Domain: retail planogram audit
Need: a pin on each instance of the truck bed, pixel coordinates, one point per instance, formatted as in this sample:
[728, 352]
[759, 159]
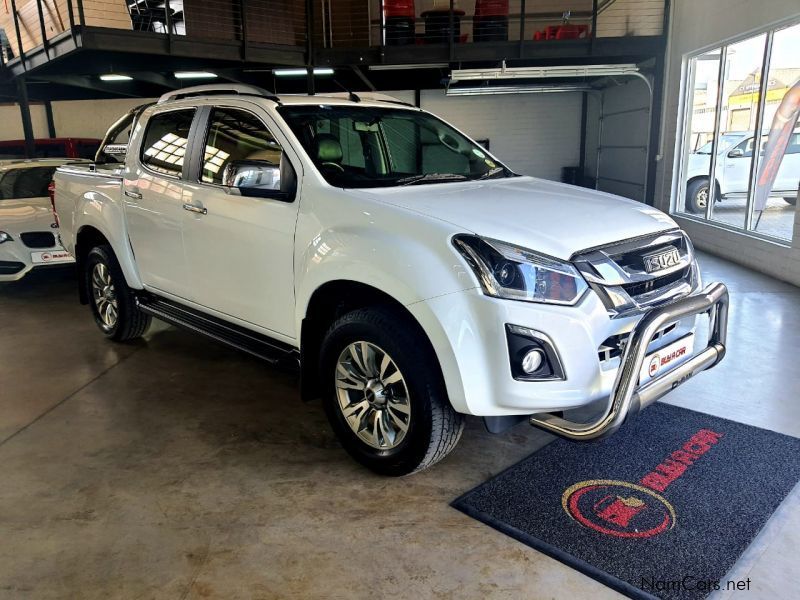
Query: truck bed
[76, 184]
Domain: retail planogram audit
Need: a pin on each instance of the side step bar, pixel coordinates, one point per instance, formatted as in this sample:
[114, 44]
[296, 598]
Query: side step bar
[627, 397]
[272, 351]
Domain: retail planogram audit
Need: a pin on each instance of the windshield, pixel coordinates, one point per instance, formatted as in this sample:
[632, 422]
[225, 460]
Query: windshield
[32, 182]
[725, 141]
[366, 146]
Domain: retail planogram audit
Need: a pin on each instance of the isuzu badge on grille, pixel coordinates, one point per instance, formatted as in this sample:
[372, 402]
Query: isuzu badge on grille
[662, 260]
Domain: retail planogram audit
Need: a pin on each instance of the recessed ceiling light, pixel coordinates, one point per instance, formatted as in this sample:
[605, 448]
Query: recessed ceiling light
[301, 72]
[115, 77]
[195, 75]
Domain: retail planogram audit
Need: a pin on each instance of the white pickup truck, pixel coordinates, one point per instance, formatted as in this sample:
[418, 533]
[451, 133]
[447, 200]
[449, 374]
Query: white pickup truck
[411, 276]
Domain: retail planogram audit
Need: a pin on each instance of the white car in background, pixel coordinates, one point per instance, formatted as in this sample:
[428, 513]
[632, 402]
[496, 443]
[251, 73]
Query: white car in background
[734, 155]
[28, 230]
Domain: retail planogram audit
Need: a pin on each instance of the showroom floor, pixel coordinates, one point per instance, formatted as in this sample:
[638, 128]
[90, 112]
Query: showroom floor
[175, 468]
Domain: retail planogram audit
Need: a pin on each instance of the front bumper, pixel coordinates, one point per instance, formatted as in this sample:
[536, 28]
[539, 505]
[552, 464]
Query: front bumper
[626, 396]
[468, 332]
[16, 260]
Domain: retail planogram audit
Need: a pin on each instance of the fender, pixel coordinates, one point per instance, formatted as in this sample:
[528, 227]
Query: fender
[422, 264]
[101, 210]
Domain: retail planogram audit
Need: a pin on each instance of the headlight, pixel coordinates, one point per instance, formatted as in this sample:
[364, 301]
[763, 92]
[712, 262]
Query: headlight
[5, 237]
[508, 271]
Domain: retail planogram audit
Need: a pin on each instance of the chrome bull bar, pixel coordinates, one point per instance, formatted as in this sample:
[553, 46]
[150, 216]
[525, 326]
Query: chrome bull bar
[625, 399]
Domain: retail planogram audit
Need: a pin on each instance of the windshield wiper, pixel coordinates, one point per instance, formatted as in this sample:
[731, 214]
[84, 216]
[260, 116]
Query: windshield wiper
[492, 172]
[431, 178]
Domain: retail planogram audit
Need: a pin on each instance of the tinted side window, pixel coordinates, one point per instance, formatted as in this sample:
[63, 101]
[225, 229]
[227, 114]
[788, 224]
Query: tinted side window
[164, 145]
[26, 183]
[235, 135]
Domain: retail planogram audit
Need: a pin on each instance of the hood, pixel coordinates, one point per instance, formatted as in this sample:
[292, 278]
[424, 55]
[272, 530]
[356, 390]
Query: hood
[548, 217]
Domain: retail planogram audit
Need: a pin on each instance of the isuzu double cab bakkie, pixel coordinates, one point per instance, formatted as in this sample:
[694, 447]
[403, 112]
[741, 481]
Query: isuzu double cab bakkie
[411, 275]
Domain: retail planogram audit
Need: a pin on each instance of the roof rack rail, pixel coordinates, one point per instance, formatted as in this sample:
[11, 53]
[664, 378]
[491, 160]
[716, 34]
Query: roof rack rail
[209, 90]
[373, 96]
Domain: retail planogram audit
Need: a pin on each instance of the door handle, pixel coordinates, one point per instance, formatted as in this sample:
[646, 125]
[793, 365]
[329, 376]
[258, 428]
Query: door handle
[195, 209]
[134, 195]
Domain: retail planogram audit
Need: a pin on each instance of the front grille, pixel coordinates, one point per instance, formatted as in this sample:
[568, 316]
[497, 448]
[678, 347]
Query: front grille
[8, 267]
[619, 276]
[644, 287]
[38, 239]
[614, 346]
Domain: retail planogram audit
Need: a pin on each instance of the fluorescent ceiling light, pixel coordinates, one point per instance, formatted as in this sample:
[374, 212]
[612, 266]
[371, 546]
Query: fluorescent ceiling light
[542, 72]
[195, 75]
[414, 66]
[515, 89]
[301, 72]
[115, 77]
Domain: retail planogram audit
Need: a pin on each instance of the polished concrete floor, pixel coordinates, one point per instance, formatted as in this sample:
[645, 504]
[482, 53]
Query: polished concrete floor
[174, 468]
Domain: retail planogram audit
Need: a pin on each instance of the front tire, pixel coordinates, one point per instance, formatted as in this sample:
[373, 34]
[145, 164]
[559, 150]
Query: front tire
[384, 394]
[697, 193]
[791, 200]
[112, 302]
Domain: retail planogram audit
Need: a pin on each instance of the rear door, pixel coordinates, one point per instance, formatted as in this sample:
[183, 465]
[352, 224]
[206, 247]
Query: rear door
[240, 249]
[153, 190]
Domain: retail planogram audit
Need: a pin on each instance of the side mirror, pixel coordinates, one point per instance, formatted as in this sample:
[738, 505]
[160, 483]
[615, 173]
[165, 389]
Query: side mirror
[261, 179]
[252, 174]
[736, 153]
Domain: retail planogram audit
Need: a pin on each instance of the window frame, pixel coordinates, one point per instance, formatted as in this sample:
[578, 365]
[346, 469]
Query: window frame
[189, 144]
[194, 171]
[682, 149]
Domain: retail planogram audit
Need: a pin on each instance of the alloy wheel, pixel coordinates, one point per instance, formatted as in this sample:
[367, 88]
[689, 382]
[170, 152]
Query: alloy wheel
[104, 295]
[372, 395]
[702, 197]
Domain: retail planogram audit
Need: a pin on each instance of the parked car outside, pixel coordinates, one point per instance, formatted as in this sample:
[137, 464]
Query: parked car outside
[734, 157]
[410, 274]
[28, 230]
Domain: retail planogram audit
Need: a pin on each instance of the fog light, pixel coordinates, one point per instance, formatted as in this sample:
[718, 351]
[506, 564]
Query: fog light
[532, 361]
[532, 355]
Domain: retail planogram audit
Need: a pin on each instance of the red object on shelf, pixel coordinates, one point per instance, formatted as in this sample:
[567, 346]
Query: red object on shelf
[399, 8]
[572, 32]
[491, 8]
[562, 32]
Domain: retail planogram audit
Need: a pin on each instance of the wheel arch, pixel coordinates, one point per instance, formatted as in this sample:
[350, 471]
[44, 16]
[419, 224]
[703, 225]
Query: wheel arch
[327, 303]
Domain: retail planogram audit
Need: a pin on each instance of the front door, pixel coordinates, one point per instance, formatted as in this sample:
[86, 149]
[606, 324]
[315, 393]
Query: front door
[240, 249]
[153, 194]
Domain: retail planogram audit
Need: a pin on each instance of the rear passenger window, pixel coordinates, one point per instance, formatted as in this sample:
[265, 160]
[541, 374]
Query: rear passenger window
[164, 146]
[237, 135]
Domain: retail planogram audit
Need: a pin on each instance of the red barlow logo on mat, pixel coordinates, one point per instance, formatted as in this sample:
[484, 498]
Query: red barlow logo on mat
[630, 510]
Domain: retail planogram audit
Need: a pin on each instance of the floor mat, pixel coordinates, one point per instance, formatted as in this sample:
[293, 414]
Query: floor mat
[664, 508]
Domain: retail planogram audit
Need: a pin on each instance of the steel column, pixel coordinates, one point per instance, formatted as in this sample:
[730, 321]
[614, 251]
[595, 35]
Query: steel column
[25, 113]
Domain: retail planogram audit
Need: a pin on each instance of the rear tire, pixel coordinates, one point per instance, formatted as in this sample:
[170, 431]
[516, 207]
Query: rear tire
[112, 302]
[697, 193]
[791, 200]
[384, 394]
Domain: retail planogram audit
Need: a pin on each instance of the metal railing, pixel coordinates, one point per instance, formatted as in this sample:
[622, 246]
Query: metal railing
[31, 25]
[361, 23]
[34, 24]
